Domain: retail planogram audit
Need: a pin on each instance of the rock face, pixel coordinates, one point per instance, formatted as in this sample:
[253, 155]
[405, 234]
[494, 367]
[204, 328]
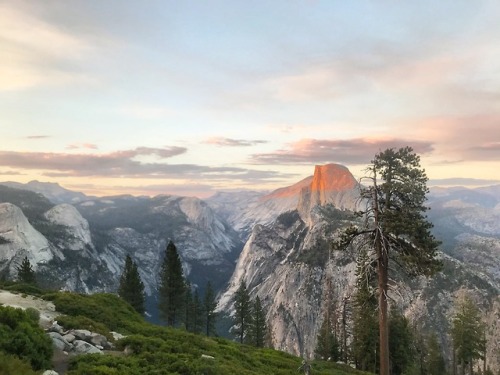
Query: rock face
[67, 215]
[20, 239]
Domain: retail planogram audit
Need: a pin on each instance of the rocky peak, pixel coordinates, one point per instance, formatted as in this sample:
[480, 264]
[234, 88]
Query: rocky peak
[331, 184]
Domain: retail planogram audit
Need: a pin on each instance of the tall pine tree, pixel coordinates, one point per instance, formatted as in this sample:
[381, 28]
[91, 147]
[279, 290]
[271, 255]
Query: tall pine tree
[131, 287]
[396, 226]
[172, 287]
[25, 272]
[467, 333]
[365, 326]
[243, 312]
[198, 315]
[209, 306]
[258, 327]
[327, 346]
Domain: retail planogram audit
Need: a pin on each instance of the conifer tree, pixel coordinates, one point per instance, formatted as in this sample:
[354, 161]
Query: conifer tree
[188, 317]
[172, 287]
[131, 287]
[400, 343]
[327, 346]
[468, 333]
[243, 314]
[435, 363]
[396, 227]
[198, 316]
[25, 272]
[365, 325]
[209, 306]
[258, 328]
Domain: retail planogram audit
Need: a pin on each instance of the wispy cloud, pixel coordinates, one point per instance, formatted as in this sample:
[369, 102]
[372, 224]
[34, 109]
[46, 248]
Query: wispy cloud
[11, 173]
[460, 181]
[37, 136]
[352, 151]
[76, 146]
[221, 141]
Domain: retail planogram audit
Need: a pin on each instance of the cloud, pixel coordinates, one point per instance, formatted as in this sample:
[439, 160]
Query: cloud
[124, 164]
[11, 173]
[37, 136]
[221, 141]
[36, 52]
[459, 181]
[466, 138]
[351, 151]
[76, 146]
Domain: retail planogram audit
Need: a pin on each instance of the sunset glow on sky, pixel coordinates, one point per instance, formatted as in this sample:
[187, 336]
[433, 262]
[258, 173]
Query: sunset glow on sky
[190, 97]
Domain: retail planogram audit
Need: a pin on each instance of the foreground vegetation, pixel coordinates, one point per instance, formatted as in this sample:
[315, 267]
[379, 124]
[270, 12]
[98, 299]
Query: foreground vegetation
[164, 350]
[154, 349]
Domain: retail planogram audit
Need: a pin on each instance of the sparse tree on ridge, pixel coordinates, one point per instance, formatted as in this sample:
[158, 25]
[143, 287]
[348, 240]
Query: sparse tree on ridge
[395, 227]
[198, 316]
[243, 312]
[131, 287]
[25, 272]
[172, 287]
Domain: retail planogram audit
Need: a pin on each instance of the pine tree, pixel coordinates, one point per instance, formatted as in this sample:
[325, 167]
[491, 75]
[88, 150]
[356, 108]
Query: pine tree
[209, 306]
[198, 316]
[365, 325]
[172, 287]
[396, 226]
[131, 287]
[468, 333]
[258, 328]
[243, 314]
[188, 317]
[25, 272]
[435, 363]
[400, 343]
[327, 346]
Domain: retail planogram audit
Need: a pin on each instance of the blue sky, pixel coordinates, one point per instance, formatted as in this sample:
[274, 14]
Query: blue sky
[113, 97]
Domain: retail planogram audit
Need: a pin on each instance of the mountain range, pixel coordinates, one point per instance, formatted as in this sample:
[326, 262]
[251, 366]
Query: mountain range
[278, 242]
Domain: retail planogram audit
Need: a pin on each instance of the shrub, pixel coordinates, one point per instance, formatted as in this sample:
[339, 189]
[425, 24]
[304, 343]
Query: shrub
[82, 322]
[10, 365]
[20, 335]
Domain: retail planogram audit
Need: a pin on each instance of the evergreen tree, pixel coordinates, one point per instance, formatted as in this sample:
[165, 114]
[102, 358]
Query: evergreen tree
[365, 325]
[25, 272]
[468, 333]
[198, 316]
[243, 313]
[396, 226]
[400, 343]
[209, 306]
[172, 287]
[258, 328]
[327, 346]
[131, 287]
[436, 364]
[188, 317]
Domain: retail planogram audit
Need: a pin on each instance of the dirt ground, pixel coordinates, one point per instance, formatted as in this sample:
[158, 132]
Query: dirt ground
[47, 309]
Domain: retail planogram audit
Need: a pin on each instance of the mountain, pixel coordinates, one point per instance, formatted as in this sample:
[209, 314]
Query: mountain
[52, 191]
[82, 247]
[288, 263]
[278, 242]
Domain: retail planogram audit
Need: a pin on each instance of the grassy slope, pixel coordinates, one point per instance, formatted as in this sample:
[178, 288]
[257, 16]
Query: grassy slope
[161, 350]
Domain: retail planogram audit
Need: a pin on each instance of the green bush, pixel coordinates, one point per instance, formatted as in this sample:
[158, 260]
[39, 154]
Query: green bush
[20, 335]
[33, 314]
[10, 365]
[24, 288]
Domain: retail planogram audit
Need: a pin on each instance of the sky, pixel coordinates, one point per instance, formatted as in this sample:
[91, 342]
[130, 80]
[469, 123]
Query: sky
[193, 97]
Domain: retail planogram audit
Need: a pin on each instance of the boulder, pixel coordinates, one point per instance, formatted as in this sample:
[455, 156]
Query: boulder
[82, 334]
[56, 327]
[59, 342]
[97, 339]
[50, 372]
[69, 337]
[83, 347]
